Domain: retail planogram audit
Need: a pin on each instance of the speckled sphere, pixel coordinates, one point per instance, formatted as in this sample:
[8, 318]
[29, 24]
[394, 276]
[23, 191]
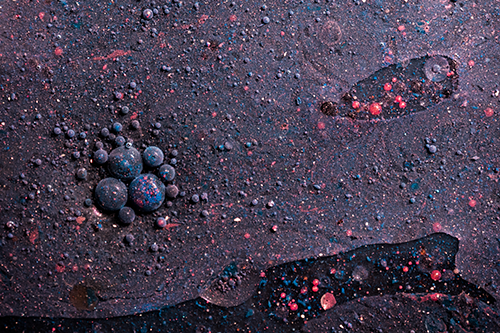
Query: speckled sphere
[153, 157]
[100, 156]
[125, 163]
[111, 194]
[147, 193]
[167, 173]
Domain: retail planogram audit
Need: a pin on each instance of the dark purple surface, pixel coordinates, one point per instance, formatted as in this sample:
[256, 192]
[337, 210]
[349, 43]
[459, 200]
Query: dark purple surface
[238, 98]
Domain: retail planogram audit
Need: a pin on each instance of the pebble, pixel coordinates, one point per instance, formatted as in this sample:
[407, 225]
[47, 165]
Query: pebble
[126, 215]
[432, 149]
[161, 222]
[100, 156]
[81, 174]
[124, 109]
[266, 20]
[135, 124]
[153, 156]
[105, 132]
[129, 238]
[195, 198]
[172, 191]
[117, 127]
[119, 141]
[166, 173]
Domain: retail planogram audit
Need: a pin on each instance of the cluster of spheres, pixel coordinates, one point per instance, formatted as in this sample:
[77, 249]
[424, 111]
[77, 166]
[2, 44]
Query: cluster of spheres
[145, 192]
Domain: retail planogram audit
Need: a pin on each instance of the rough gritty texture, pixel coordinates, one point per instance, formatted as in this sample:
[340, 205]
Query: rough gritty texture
[229, 80]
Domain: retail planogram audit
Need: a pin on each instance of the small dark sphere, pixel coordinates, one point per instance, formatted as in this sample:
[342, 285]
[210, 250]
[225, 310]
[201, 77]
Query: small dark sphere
[167, 173]
[120, 141]
[81, 174]
[172, 191]
[126, 215]
[117, 127]
[125, 163]
[111, 194]
[100, 156]
[153, 156]
[161, 223]
[105, 132]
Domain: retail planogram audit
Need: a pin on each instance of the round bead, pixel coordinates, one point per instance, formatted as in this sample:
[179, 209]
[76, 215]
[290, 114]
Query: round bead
[167, 173]
[111, 194]
[125, 163]
[147, 192]
[153, 157]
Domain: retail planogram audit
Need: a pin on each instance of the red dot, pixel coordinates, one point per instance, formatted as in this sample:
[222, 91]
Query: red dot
[315, 282]
[472, 203]
[247, 235]
[58, 51]
[375, 109]
[489, 112]
[387, 87]
[303, 290]
[401, 28]
[398, 99]
[348, 233]
[294, 306]
[436, 227]
[402, 105]
[405, 269]
[315, 289]
[436, 275]
[355, 105]
[321, 125]
[283, 295]
[471, 63]
[394, 80]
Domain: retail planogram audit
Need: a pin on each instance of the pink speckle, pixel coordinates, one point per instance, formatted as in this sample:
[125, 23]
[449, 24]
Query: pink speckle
[436, 275]
[436, 227]
[348, 233]
[471, 63]
[472, 203]
[489, 112]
